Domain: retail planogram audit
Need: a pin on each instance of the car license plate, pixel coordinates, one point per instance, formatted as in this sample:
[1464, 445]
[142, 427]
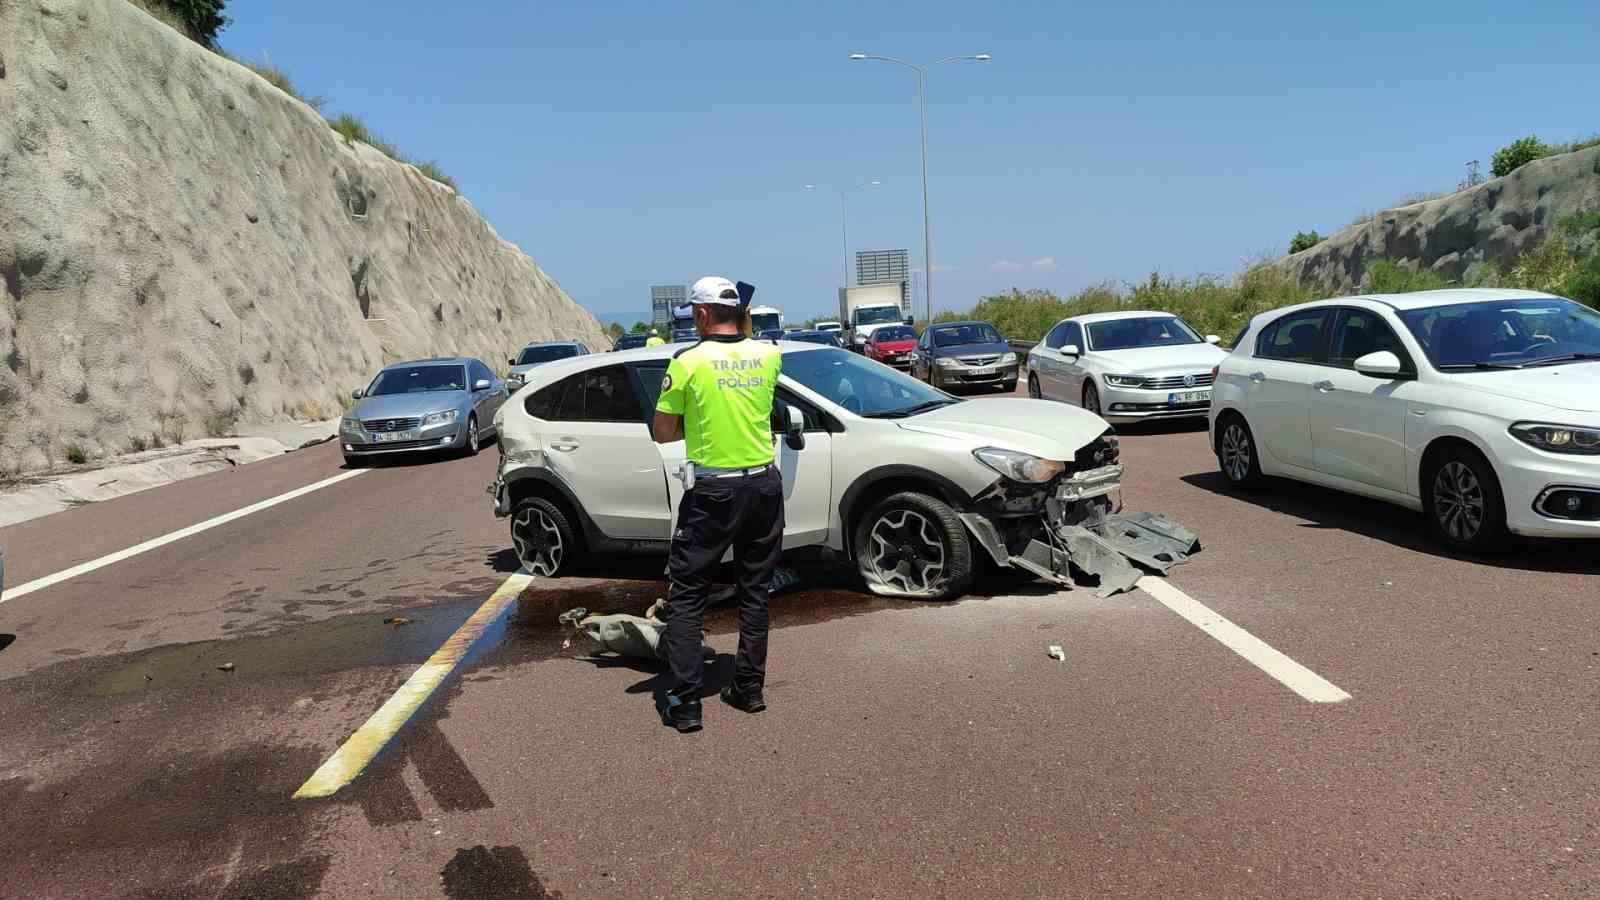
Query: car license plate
[393, 436]
[1182, 397]
[988, 370]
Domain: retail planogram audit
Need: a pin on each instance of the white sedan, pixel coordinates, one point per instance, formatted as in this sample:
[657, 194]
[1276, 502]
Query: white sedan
[1480, 407]
[1126, 366]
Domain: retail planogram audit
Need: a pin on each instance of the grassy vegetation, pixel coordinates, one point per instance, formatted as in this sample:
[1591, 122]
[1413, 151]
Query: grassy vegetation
[76, 454]
[221, 424]
[279, 79]
[1567, 263]
[352, 128]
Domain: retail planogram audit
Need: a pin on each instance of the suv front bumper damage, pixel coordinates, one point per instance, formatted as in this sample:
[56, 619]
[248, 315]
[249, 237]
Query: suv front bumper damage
[1077, 538]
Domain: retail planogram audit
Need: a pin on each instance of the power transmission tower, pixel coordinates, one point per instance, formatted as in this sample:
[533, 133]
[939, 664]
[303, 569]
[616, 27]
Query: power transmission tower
[1474, 177]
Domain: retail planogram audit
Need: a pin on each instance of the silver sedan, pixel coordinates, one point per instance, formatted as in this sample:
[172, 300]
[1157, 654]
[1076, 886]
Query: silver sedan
[430, 404]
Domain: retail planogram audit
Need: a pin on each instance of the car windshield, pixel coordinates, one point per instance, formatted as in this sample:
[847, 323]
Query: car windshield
[877, 315]
[1506, 333]
[1145, 331]
[629, 341]
[419, 380]
[544, 354]
[894, 333]
[957, 335]
[861, 385]
[763, 322]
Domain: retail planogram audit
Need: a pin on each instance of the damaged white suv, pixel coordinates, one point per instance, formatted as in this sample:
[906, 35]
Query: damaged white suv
[907, 481]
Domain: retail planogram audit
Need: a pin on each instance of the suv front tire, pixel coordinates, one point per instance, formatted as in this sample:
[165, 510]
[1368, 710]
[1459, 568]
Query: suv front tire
[910, 544]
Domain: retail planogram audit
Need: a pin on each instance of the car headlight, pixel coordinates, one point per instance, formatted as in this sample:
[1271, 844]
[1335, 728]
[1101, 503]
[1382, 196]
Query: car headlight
[1019, 466]
[1009, 359]
[1132, 381]
[348, 425]
[947, 362]
[440, 418]
[1558, 438]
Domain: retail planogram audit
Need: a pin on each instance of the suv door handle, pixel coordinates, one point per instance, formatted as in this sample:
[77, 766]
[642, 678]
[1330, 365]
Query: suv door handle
[1258, 377]
[564, 444]
[1323, 386]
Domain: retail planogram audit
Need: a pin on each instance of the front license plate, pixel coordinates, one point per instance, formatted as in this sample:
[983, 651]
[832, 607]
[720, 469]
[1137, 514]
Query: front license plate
[1182, 397]
[988, 371]
[392, 436]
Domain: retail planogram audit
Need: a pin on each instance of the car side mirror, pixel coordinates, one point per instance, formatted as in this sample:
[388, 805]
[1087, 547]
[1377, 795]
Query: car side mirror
[482, 384]
[1070, 350]
[1213, 339]
[1382, 365]
[908, 320]
[795, 434]
[357, 394]
[511, 361]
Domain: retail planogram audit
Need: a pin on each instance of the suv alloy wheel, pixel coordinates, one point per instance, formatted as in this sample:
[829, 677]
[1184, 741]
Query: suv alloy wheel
[542, 537]
[913, 545]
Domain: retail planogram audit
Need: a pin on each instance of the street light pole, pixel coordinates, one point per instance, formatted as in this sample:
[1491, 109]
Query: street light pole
[922, 110]
[844, 228]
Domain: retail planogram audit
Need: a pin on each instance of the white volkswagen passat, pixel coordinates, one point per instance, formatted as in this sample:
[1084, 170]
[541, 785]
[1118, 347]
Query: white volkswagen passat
[906, 480]
[1126, 366]
[1479, 407]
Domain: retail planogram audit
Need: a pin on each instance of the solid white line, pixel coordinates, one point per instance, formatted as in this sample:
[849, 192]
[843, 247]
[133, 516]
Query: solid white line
[1291, 674]
[39, 584]
[362, 747]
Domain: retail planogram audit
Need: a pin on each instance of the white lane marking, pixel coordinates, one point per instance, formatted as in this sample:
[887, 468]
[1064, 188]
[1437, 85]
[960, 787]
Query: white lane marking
[1289, 673]
[39, 584]
[362, 747]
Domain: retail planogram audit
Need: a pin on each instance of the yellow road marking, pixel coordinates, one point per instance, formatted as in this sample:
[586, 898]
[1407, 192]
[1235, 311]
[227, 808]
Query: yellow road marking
[368, 741]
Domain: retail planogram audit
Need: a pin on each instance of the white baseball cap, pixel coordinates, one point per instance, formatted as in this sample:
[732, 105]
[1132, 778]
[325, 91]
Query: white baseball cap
[716, 290]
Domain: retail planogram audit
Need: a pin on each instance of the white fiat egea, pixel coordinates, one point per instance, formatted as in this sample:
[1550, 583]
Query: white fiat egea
[1479, 407]
[908, 481]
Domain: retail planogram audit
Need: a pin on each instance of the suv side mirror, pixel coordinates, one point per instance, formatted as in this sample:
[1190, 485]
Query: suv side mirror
[795, 434]
[511, 361]
[1213, 339]
[1070, 350]
[357, 394]
[1383, 365]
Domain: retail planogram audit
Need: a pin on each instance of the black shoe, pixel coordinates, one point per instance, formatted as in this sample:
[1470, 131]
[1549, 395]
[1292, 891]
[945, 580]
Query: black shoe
[749, 701]
[683, 715]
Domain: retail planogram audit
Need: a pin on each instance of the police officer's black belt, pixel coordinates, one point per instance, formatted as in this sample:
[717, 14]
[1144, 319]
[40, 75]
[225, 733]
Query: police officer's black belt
[709, 472]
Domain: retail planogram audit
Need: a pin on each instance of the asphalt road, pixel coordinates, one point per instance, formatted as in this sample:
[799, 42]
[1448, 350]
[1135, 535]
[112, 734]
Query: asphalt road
[159, 712]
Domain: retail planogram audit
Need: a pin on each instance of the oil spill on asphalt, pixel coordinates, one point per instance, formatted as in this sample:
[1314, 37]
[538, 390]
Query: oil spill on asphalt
[500, 873]
[330, 645]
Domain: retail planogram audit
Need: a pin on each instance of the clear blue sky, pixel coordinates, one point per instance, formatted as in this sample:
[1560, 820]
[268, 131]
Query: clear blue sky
[627, 144]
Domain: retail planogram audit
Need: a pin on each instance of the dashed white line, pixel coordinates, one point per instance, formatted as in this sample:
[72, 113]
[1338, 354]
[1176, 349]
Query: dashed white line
[1289, 673]
[39, 584]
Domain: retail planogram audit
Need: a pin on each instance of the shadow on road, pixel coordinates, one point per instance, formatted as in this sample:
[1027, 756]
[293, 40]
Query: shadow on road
[1327, 508]
[413, 459]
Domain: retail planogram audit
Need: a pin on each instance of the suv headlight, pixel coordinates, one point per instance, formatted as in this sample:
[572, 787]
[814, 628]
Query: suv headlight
[440, 418]
[1133, 381]
[1008, 359]
[348, 425]
[1019, 466]
[1558, 438]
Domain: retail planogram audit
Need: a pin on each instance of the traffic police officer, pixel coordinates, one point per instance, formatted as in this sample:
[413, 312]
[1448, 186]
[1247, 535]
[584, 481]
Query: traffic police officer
[717, 398]
[654, 340]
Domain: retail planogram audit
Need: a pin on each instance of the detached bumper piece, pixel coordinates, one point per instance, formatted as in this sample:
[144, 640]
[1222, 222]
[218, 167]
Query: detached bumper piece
[1108, 556]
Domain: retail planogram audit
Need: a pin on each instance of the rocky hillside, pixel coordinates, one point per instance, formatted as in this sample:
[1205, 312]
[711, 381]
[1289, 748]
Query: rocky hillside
[185, 246]
[1494, 222]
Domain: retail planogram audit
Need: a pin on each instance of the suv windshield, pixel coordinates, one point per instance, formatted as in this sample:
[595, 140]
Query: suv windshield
[861, 385]
[894, 333]
[544, 354]
[1506, 333]
[419, 380]
[958, 335]
[877, 315]
[1147, 331]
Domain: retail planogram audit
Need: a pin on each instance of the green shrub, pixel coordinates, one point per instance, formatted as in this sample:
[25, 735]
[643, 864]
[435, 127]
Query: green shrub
[221, 424]
[351, 128]
[198, 20]
[432, 170]
[1389, 277]
[1518, 153]
[279, 79]
[138, 444]
[1304, 240]
[76, 455]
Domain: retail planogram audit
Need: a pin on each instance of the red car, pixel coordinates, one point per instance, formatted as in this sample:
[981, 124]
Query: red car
[892, 345]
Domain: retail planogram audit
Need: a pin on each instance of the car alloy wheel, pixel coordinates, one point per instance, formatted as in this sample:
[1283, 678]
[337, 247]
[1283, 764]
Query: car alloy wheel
[907, 553]
[1236, 455]
[472, 436]
[1033, 387]
[1458, 501]
[538, 540]
[1091, 399]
